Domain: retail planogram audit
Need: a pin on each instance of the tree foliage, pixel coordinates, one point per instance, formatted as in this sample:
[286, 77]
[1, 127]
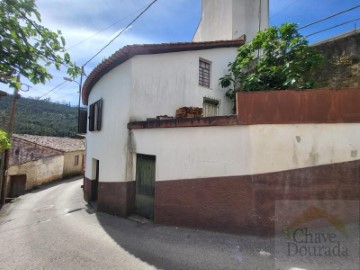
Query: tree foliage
[277, 58]
[4, 141]
[27, 47]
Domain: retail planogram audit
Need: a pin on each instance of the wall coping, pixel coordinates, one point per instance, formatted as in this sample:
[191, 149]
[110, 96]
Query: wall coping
[185, 122]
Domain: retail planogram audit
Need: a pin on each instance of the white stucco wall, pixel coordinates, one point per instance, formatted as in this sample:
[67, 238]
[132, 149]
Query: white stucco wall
[109, 144]
[286, 147]
[186, 153]
[183, 153]
[144, 87]
[230, 19]
[165, 82]
[216, 21]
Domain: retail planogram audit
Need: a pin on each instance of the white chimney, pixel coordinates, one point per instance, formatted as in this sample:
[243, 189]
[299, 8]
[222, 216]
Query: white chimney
[231, 19]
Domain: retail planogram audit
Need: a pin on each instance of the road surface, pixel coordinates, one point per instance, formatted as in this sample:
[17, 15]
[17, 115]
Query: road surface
[54, 228]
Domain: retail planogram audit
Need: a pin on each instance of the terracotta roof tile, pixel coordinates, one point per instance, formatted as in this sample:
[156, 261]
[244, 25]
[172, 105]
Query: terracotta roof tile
[130, 51]
[58, 143]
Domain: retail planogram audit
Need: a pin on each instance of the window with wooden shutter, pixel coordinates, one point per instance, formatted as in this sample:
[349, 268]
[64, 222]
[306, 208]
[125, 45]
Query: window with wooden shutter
[95, 115]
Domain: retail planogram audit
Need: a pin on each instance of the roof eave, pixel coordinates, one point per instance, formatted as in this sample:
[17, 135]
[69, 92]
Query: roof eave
[130, 51]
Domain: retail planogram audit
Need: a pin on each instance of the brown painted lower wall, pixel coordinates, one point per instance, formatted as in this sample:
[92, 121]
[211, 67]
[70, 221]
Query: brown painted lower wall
[88, 187]
[236, 204]
[246, 204]
[115, 198]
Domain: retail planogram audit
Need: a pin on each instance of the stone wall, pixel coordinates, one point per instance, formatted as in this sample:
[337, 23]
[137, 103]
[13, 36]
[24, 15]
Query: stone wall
[342, 61]
[40, 171]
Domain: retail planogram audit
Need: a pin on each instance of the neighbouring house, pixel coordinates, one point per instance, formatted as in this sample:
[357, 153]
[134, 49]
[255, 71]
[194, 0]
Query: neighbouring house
[36, 160]
[221, 171]
[2, 94]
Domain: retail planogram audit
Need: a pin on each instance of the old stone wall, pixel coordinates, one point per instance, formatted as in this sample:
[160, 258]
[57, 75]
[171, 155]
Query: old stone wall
[342, 61]
[40, 171]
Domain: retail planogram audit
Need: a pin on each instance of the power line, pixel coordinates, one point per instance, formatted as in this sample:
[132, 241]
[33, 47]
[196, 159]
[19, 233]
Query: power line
[60, 84]
[335, 26]
[104, 29]
[329, 17]
[70, 94]
[122, 31]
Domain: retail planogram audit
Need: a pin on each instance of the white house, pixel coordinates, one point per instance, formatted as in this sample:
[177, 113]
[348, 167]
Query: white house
[221, 171]
[145, 81]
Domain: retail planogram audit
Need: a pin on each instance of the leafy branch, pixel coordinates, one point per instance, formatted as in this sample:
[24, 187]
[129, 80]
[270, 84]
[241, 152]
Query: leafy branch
[276, 59]
[27, 47]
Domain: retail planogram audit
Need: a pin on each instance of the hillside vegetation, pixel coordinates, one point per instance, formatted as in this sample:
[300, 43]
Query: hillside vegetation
[40, 117]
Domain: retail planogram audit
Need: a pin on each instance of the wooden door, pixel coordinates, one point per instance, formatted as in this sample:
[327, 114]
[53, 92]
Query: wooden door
[17, 185]
[145, 185]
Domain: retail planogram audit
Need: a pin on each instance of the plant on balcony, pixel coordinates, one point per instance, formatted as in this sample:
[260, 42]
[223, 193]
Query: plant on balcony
[276, 59]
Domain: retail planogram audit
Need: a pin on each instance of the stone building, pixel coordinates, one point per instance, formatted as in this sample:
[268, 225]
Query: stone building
[36, 160]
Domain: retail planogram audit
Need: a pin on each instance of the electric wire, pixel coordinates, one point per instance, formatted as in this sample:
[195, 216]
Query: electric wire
[56, 87]
[329, 17]
[104, 29]
[122, 31]
[332, 27]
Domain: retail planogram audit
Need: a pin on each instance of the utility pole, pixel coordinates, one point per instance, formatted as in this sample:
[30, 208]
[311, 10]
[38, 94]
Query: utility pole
[7, 152]
[2, 155]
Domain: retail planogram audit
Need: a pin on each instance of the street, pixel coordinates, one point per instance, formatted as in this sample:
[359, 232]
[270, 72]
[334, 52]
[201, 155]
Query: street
[54, 228]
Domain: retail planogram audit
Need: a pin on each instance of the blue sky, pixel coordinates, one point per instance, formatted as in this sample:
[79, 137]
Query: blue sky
[165, 21]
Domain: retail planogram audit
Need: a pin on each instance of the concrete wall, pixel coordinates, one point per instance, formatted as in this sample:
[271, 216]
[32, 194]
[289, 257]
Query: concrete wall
[69, 163]
[205, 152]
[40, 171]
[230, 19]
[228, 178]
[145, 87]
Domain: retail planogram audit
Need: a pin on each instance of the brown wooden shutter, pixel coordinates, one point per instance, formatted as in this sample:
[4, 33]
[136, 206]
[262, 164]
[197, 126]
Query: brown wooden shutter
[82, 121]
[91, 117]
[99, 114]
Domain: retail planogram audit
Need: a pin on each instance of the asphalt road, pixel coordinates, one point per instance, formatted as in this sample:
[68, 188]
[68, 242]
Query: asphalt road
[53, 228]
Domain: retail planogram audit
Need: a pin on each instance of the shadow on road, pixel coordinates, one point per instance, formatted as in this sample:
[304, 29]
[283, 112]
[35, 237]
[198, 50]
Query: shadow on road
[180, 248]
[54, 184]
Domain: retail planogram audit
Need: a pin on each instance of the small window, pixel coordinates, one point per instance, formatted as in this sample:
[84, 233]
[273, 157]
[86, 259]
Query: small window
[95, 115]
[204, 72]
[210, 106]
[76, 162]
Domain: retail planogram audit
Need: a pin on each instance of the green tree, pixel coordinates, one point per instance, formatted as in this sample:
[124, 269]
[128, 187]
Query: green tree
[276, 59]
[27, 47]
[4, 141]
